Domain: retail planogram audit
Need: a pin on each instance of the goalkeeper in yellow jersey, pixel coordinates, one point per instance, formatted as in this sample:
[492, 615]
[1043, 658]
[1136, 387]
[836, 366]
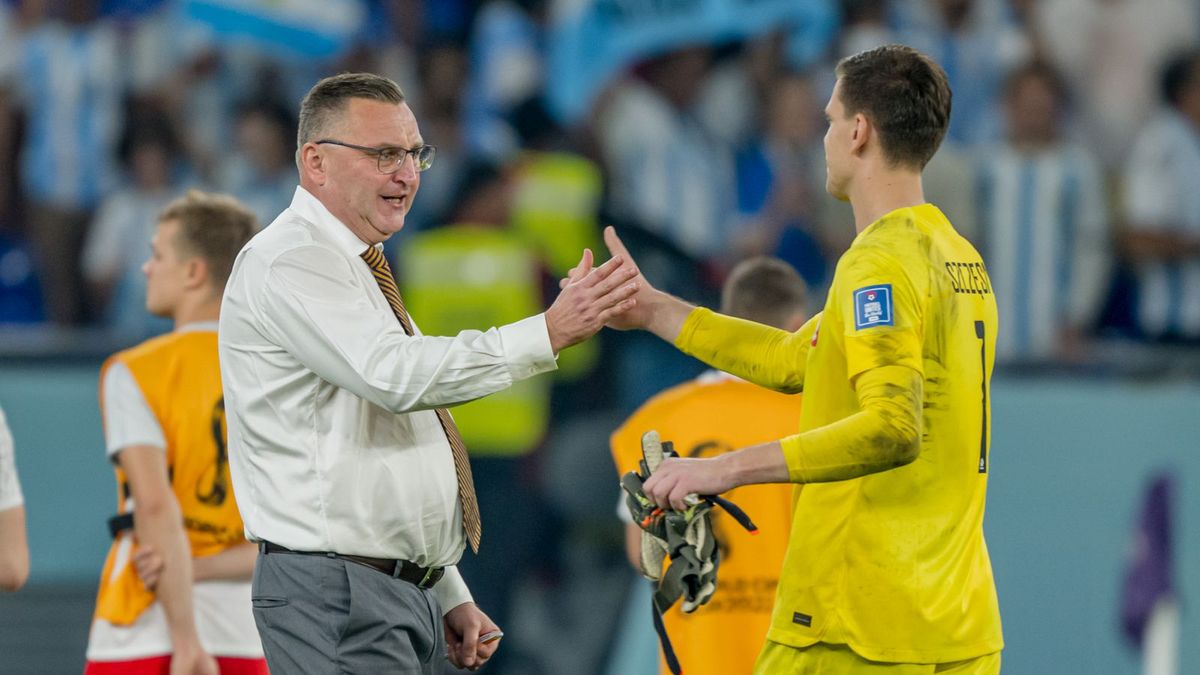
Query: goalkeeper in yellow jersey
[886, 562]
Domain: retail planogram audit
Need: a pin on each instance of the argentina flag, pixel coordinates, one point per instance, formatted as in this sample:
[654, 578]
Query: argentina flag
[592, 40]
[315, 29]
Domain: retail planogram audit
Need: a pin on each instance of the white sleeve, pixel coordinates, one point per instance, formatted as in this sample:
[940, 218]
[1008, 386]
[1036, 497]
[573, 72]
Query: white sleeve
[101, 258]
[1151, 184]
[452, 590]
[128, 419]
[312, 305]
[10, 487]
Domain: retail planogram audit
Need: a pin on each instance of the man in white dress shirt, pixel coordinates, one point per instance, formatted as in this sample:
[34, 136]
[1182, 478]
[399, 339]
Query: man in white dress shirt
[347, 468]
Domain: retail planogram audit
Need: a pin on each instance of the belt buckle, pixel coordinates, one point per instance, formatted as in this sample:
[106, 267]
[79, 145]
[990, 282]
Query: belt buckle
[429, 573]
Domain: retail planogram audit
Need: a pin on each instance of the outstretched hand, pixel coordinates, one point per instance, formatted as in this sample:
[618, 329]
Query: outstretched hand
[589, 299]
[637, 316]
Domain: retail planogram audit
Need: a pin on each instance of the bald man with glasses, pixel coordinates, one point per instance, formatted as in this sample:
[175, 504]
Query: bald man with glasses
[349, 469]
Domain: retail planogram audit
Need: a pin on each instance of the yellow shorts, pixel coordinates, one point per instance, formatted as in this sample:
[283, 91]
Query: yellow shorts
[830, 659]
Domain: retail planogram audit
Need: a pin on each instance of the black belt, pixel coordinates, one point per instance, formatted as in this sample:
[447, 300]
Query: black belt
[421, 577]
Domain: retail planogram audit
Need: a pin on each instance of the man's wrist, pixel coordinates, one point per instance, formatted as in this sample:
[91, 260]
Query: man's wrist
[185, 642]
[757, 464]
[667, 314]
[734, 468]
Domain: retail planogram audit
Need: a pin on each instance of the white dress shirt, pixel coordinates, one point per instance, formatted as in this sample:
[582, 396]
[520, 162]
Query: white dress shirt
[333, 442]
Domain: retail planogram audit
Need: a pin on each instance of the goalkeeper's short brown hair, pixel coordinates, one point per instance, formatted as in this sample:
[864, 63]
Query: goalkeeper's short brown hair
[214, 227]
[765, 290]
[906, 96]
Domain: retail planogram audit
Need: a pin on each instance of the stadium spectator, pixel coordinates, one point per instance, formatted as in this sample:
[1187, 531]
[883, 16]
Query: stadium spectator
[506, 62]
[70, 91]
[442, 71]
[260, 169]
[117, 240]
[1044, 225]
[1162, 209]
[977, 43]
[780, 182]
[666, 171]
[1110, 53]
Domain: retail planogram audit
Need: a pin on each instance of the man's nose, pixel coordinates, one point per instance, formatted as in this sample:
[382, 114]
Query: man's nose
[408, 169]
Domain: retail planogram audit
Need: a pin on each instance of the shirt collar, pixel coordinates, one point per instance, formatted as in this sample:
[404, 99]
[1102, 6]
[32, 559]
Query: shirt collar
[308, 207]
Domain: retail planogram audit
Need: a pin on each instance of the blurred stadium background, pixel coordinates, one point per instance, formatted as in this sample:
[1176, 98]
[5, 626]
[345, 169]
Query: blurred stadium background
[1073, 163]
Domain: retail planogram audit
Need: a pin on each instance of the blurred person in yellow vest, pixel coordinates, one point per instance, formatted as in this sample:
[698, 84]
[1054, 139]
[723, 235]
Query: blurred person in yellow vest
[175, 590]
[709, 416]
[477, 270]
[555, 205]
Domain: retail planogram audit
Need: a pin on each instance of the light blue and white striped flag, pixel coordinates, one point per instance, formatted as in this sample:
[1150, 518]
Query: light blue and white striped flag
[306, 28]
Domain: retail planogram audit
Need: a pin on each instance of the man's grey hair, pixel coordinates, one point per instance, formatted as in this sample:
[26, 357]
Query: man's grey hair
[326, 101]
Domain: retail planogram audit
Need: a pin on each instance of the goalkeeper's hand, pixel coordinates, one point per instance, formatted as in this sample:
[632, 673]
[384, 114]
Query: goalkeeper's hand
[677, 481]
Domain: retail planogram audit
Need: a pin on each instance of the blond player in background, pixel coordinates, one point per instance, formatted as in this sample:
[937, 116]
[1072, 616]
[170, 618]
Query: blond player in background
[707, 417]
[886, 569]
[175, 590]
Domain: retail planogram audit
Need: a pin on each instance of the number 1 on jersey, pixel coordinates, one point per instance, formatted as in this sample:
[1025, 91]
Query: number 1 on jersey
[982, 335]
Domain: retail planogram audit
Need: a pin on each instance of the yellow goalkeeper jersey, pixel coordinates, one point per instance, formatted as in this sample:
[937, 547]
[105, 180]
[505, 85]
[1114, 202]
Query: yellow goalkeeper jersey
[893, 563]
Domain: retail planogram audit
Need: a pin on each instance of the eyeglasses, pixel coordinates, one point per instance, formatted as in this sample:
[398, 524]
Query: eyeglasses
[391, 158]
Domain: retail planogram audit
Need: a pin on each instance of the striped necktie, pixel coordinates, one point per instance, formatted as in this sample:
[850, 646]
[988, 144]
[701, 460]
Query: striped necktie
[462, 466]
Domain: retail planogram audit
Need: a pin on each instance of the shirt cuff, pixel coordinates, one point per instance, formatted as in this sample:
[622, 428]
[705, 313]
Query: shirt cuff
[687, 332]
[452, 591]
[527, 347]
[792, 457]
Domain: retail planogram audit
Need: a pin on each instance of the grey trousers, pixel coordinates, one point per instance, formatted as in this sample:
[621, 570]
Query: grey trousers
[324, 616]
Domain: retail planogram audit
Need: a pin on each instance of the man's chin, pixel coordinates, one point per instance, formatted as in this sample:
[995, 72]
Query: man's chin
[388, 229]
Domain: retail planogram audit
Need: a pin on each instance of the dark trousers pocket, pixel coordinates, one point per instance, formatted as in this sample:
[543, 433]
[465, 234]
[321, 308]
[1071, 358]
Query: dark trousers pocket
[268, 602]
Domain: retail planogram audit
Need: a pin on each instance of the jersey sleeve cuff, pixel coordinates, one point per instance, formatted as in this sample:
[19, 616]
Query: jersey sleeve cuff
[792, 456]
[690, 332]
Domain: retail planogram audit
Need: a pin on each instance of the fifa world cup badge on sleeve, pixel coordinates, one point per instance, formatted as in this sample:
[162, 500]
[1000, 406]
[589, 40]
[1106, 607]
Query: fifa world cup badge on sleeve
[873, 307]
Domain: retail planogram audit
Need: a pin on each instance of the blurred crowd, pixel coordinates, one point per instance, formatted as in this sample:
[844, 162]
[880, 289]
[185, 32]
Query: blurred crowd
[1073, 150]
